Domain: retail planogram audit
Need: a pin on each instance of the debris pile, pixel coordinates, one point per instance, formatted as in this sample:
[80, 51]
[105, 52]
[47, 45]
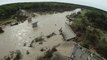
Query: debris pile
[14, 55]
[35, 24]
[39, 39]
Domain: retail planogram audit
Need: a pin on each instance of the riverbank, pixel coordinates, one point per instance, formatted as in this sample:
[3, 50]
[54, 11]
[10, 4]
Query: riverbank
[89, 28]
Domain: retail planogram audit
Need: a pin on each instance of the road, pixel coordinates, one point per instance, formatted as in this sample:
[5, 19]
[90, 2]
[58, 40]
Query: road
[80, 53]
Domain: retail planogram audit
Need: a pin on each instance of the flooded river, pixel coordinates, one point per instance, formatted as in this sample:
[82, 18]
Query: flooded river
[14, 37]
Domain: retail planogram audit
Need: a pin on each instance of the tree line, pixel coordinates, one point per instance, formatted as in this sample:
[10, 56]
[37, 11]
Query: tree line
[8, 10]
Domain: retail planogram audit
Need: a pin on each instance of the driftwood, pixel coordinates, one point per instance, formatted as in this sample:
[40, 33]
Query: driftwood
[50, 35]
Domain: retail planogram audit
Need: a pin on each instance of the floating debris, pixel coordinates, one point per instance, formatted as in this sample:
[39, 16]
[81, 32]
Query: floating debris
[34, 24]
[14, 55]
[55, 25]
[27, 52]
[29, 19]
[33, 15]
[18, 55]
[50, 52]
[42, 50]
[24, 44]
[50, 35]
[31, 44]
[1, 30]
[14, 24]
[40, 42]
[39, 39]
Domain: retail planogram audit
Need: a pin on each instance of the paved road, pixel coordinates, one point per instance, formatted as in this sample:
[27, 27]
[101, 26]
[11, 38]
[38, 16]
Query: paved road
[81, 53]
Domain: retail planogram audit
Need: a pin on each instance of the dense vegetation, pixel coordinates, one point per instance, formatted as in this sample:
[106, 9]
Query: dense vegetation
[90, 27]
[99, 20]
[8, 10]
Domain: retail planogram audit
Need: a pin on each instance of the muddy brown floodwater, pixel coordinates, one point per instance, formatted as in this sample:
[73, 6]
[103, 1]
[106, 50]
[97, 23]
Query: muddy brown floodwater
[15, 37]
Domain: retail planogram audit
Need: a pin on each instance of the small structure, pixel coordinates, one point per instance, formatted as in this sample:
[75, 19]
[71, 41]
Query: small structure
[34, 24]
[67, 33]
